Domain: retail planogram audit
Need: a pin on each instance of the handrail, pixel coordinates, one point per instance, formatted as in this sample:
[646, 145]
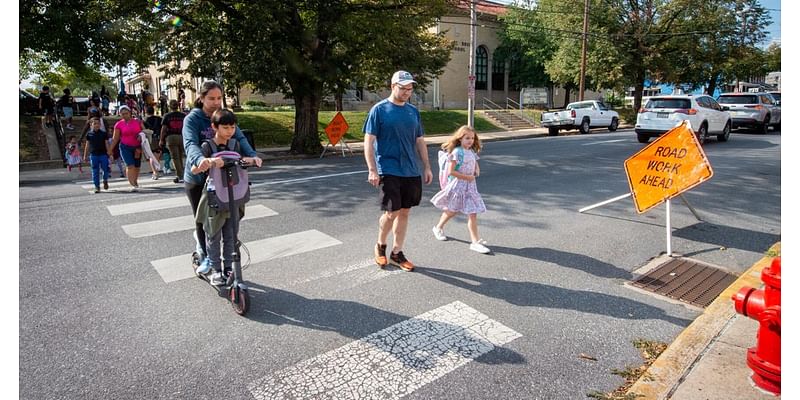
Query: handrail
[496, 106]
[509, 100]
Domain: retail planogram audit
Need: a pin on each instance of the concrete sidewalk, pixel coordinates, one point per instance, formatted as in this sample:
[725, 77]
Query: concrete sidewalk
[707, 361]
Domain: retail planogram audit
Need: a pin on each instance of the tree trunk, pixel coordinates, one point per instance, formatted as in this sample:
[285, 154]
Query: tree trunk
[637, 95]
[339, 102]
[566, 96]
[712, 84]
[306, 123]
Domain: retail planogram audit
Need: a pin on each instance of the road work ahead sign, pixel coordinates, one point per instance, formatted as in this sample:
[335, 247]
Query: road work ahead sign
[669, 166]
[336, 129]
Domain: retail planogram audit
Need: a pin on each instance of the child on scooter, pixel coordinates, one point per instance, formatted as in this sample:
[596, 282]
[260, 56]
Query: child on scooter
[216, 222]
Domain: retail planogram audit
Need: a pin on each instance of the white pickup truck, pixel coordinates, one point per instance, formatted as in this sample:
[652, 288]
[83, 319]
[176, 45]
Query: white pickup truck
[582, 115]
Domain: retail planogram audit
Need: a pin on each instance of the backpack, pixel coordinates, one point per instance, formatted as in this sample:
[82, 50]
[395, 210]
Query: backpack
[217, 184]
[444, 177]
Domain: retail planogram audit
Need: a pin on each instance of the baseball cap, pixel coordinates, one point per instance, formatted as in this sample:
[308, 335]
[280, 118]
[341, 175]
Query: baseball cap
[403, 78]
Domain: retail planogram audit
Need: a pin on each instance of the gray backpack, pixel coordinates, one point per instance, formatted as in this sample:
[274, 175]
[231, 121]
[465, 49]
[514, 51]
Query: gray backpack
[217, 184]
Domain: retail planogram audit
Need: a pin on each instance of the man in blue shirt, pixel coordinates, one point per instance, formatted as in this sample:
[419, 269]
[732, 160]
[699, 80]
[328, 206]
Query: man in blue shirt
[393, 137]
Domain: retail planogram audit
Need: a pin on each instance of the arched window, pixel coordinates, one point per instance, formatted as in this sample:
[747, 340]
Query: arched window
[481, 68]
[498, 73]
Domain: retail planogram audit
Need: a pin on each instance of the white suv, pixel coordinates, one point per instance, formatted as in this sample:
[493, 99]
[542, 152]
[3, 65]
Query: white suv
[754, 110]
[662, 113]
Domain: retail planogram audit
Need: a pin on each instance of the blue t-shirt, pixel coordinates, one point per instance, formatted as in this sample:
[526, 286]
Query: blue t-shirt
[196, 128]
[396, 129]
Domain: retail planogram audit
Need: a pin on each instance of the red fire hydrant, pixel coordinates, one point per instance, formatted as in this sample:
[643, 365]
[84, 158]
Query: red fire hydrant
[764, 305]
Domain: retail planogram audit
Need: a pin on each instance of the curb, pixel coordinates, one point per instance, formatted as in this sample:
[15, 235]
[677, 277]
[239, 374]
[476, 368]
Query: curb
[667, 371]
[39, 165]
[282, 153]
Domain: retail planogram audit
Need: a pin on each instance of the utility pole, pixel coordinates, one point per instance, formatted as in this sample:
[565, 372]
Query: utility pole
[744, 26]
[583, 48]
[471, 80]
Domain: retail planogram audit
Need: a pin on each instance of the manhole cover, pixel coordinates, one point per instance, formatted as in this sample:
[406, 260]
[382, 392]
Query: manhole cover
[686, 280]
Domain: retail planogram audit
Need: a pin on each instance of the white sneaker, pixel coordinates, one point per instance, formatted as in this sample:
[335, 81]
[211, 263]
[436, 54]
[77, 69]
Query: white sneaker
[217, 279]
[483, 242]
[439, 233]
[476, 246]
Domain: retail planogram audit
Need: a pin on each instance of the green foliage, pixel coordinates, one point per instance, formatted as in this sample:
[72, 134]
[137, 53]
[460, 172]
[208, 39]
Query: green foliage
[255, 103]
[773, 57]
[276, 128]
[304, 49]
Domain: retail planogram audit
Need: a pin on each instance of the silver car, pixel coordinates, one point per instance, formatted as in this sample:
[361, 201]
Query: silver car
[753, 110]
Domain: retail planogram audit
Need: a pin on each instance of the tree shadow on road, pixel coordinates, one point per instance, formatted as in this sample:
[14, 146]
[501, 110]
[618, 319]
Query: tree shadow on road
[728, 236]
[531, 294]
[565, 259]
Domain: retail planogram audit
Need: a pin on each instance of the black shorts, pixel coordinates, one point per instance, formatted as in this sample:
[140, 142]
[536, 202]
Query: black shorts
[400, 192]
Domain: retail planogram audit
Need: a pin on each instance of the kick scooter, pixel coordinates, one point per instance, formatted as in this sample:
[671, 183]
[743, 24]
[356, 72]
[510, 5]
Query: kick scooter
[236, 291]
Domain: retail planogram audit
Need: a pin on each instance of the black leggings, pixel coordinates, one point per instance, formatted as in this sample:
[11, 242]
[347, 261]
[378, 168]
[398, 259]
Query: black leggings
[194, 192]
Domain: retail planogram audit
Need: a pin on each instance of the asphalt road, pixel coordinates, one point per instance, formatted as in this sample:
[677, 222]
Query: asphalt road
[545, 316]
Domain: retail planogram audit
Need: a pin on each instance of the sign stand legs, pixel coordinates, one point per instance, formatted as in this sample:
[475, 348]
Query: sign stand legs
[343, 146]
[669, 231]
[604, 202]
[696, 215]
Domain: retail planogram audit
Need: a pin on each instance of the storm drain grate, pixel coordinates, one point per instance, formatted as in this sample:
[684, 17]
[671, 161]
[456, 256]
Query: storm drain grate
[686, 280]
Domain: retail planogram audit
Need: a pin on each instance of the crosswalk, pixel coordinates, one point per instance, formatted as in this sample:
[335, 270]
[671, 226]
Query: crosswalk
[400, 359]
[172, 268]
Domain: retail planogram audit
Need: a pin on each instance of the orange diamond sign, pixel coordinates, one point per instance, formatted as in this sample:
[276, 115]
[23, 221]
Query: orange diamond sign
[671, 165]
[336, 129]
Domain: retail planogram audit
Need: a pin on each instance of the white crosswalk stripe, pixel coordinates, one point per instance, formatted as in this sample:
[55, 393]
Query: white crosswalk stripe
[393, 362]
[150, 205]
[169, 225]
[177, 268]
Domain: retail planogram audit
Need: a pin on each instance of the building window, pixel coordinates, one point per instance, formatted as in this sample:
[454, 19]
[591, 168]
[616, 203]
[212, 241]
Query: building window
[481, 68]
[498, 73]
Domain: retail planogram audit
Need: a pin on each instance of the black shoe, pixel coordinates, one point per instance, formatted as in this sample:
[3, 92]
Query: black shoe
[401, 261]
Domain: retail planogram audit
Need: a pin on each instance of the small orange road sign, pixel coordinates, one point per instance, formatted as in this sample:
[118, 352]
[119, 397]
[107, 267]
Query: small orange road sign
[671, 165]
[336, 129]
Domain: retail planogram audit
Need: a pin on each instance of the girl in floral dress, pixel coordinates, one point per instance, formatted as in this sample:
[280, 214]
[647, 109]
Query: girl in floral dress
[459, 192]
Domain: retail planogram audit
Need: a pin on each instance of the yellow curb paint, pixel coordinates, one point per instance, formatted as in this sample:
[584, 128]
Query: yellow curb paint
[670, 366]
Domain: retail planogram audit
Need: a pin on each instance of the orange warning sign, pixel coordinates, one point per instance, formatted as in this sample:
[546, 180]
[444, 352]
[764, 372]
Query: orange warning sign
[336, 129]
[671, 165]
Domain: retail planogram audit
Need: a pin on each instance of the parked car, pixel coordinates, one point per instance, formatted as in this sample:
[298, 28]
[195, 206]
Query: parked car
[777, 96]
[662, 113]
[753, 110]
[582, 115]
[28, 103]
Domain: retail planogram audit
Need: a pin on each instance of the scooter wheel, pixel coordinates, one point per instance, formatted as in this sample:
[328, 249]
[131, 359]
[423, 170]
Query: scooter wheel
[243, 304]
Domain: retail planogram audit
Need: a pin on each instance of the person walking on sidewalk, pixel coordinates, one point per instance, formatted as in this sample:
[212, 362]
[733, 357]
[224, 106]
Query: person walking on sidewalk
[96, 143]
[67, 102]
[459, 194]
[47, 105]
[392, 135]
[171, 129]
[126, 135]
[196, 128]
[73, 154]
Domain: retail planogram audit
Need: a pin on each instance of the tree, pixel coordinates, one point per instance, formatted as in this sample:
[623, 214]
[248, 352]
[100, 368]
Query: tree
[307, 48]
[773, 57]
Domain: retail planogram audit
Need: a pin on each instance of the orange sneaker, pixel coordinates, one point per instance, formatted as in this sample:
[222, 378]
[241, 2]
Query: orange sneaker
[380, 255]
[401, 261]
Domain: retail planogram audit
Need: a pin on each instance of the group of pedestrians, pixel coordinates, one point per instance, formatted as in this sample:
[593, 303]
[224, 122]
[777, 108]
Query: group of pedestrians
[393, 139]
[393, 144]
